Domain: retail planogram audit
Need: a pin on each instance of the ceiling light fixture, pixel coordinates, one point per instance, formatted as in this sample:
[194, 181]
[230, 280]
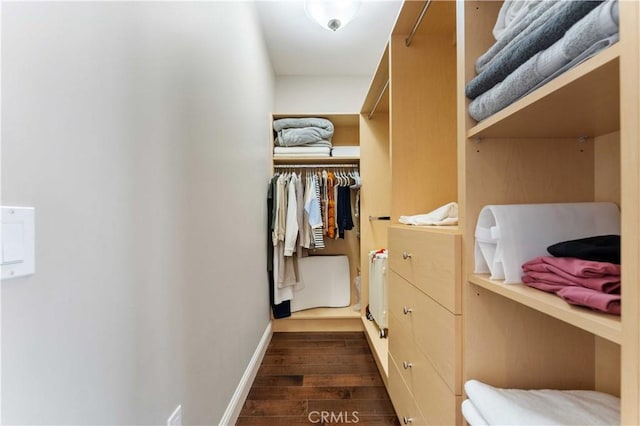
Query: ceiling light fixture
[332, 14]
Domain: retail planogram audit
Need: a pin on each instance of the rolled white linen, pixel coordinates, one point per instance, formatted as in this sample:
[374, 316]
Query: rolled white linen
[507, 236]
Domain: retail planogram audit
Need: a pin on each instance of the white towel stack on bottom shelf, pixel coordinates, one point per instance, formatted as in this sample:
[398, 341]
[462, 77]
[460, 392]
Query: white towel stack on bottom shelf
[488, 405]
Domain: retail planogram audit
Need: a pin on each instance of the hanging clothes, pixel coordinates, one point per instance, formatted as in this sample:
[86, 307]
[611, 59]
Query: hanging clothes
[283, 309]
[303, 210]
[331, 206]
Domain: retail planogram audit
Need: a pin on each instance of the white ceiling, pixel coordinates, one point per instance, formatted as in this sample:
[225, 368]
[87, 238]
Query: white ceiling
[299, 46]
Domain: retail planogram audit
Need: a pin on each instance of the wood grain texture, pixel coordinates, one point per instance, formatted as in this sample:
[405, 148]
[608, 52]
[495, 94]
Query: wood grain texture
[305, 376]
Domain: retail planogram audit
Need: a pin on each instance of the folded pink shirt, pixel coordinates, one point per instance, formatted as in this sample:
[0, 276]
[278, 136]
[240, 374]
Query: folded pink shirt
[556, 281]
[609, 303]
[572, 266]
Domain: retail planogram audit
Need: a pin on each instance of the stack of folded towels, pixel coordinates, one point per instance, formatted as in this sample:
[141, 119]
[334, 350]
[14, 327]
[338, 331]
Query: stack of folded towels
[302, 137]
[535, 42]
[488, 405]
[583, 272]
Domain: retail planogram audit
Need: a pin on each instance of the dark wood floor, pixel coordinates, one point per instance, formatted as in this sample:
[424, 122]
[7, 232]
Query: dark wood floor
[318, 378]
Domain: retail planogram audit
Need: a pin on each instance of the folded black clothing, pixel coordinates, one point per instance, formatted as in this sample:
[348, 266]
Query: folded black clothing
[601, 248]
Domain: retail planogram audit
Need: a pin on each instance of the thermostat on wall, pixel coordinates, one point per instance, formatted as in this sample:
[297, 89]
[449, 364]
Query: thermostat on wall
[18, 242]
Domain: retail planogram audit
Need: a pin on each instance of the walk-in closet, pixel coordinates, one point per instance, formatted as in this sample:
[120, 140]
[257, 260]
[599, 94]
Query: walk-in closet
[569, 143]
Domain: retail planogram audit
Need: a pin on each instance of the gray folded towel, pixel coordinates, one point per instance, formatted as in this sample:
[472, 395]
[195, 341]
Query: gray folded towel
[516, 54]
[517, 31]
[593, 33]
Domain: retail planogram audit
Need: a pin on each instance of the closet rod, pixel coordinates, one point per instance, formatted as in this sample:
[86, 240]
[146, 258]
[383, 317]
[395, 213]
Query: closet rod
[313, 166]
[379, 217]
[408, 40]
[375, 106]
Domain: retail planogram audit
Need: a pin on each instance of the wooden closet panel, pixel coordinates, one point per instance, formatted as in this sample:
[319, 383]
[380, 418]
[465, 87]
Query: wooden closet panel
[510, 345]
[375, 195]
[607, 168]
[423, 129]
[607, 366]
[630, 166]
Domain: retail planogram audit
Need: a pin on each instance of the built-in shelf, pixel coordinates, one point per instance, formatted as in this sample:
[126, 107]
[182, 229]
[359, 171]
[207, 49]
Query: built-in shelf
[603, 325]
[582, 102]
[325, 313]
[379, 347]
[312, 160]
[439, 229]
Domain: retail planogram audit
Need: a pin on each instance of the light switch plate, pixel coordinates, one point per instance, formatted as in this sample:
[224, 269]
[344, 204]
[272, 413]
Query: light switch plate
[18, 242]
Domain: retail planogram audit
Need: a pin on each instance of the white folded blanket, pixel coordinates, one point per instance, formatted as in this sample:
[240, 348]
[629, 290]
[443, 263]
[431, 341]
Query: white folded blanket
[302, 150]
[542, 407]
[345, 151]
[509, 235]
[445, 215]
[302, 155]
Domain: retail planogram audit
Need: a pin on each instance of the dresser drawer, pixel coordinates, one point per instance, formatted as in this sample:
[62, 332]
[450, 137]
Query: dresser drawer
[403, 402]
[434, 400]
[431, 260]
[436, 332]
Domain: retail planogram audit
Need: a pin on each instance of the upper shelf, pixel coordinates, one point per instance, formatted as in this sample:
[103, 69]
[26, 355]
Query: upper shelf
[582, 102]
[604, 325]
[312, 160]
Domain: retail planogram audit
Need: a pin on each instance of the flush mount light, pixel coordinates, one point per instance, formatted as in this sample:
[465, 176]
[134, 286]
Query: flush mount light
[332, 14]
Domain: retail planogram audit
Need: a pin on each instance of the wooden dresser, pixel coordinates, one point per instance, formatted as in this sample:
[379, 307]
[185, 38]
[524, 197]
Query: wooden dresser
[425, 324]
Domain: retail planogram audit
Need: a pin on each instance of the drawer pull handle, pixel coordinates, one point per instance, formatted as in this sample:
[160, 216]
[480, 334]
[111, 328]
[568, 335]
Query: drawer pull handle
[406, 310]
[406, 255]
[407, 420]
[407, 365]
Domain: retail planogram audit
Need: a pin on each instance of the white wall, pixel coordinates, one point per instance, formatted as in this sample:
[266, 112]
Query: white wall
[319, 94]
[139, 131]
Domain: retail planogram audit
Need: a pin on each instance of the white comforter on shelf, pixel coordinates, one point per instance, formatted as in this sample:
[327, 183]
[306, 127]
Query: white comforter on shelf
[488, 405]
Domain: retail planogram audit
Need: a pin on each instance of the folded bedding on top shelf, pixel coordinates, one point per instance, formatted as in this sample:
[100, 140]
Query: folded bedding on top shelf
[541, 407]
[557, 20]
[302, 150]
[597, 31]
[302, 131]
[345, 151]
[507, 236]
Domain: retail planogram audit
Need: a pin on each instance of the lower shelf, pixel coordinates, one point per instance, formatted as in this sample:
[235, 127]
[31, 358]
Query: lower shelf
[603, 325]
[379, 347]
[321, 319]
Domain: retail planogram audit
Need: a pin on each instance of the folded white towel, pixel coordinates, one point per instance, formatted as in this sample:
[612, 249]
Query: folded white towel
[345, 151]
[444, 215]
[302, 150]
[471, 414]
[542, 407]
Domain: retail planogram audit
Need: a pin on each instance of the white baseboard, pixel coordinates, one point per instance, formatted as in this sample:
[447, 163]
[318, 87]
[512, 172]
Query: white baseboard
[232, 412]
